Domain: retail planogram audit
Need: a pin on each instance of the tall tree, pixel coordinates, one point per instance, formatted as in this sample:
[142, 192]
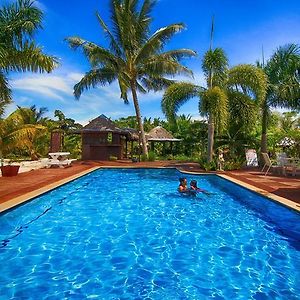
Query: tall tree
[232, 93]
[18, 131]
[134, 58]
[283, 71]
[18, 51]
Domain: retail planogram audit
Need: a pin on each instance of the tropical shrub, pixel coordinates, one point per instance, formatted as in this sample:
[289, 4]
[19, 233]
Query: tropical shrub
[112, 158]
[151, 156]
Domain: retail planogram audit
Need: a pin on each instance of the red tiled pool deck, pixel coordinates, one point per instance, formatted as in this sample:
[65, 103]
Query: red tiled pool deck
[13, 187]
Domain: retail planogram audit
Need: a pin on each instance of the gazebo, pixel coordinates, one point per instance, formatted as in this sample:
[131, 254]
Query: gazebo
[101, 139]
[159, 134]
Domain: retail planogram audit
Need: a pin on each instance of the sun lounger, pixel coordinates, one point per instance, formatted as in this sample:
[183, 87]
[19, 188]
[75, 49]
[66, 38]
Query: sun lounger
[270, 165]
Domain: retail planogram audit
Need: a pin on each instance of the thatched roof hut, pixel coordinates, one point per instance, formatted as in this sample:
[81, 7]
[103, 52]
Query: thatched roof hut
[102, 139]
[159, 134]
[102, 124]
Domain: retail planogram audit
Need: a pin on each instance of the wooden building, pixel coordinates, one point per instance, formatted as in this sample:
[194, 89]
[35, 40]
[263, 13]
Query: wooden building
[102, 139]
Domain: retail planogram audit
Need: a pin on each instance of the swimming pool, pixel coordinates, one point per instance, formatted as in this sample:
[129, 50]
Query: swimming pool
[127, 234]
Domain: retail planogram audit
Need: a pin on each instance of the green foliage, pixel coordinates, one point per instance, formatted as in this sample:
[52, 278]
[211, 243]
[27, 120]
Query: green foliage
[214, 101]
[113, 158]
[206, 165]
[230, 100]
[144, 157]
[19, 22]
[233, 164]
[215, 67]
[282, 70]
[135, 58]
[151, 156]
[128, 122]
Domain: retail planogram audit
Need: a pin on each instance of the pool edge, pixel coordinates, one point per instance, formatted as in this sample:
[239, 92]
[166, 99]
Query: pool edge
[35, 193]
[281, 200]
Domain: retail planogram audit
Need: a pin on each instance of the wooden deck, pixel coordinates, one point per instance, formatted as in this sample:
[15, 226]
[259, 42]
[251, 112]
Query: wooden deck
[12, 187]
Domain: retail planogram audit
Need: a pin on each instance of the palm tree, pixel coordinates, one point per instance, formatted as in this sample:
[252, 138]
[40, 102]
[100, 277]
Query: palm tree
[17, 134]
[230, 93]
[23, 129]
[18, 52]
[134, 58]
[283, 71]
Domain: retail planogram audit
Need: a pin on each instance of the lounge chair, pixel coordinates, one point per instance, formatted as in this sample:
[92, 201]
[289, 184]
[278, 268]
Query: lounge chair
[270, 165]
[251, 158]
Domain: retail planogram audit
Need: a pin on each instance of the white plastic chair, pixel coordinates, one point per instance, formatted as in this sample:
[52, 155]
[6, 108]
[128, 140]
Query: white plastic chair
[269, 164]
[251, 158]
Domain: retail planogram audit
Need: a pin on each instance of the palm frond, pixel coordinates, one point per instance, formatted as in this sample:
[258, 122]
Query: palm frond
[92, 78]
[215, 67]
[29, 58]
[97, 55]
[18, 21]
[214, 102]
[175, 96]
[157, 65]
[113, 43]
[156, 84]
[283, 70]
[5, 91]
[249, 80]
[144, 18]
[157, 41]
[243, 110]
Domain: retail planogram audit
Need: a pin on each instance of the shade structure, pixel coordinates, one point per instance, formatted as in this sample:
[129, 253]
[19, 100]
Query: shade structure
[159, 134]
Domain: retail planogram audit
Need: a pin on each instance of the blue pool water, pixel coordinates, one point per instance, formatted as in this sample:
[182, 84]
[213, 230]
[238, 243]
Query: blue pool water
[127, 234]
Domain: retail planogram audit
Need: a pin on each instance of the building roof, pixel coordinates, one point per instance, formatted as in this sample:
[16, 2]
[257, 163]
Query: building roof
[159, 134]
[102, 124]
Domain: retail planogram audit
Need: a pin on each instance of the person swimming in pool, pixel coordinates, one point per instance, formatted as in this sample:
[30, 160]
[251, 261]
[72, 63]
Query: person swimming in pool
[182, 188]
[194, 188]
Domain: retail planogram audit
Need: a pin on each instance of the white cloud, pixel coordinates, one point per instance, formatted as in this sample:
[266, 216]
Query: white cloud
[43, 84]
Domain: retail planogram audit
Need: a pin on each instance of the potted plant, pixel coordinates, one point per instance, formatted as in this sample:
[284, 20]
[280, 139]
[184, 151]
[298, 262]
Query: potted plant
[10, 170]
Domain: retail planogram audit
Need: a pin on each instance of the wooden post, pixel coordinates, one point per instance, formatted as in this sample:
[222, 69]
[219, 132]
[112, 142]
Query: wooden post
[152, 146]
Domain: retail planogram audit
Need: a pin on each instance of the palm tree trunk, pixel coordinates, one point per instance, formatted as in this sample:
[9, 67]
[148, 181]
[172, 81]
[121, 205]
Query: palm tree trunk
[139, 118]
[263, 146]
[210, 144]
[211, 125]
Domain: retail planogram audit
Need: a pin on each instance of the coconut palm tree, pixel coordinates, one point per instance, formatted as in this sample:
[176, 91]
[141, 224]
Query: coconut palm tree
[23, 129]
[16, 134]
[134, 58]
[230, 93]
[283, 71]
[18, 52]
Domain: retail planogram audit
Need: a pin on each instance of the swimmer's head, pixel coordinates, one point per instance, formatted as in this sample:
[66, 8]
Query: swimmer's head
[193, 183]
[182, 180]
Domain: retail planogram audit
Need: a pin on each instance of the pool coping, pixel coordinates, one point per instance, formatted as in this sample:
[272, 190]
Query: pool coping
[35, 193]
[270, 196]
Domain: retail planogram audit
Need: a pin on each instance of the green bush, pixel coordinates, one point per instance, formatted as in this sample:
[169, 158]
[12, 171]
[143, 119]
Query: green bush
[233, 164]
[113, 158]
[144, 157]
[151, 156]
[208, 166]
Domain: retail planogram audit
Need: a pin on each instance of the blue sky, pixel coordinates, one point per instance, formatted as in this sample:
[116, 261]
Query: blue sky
[241, 28]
